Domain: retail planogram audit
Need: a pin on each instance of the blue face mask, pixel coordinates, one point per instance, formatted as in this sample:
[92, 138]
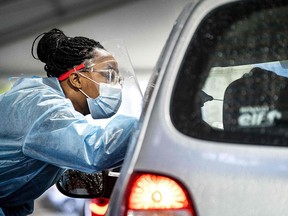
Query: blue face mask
[108, 101]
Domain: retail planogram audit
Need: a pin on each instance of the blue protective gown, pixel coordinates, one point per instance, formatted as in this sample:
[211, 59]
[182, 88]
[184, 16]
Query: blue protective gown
[41, 134]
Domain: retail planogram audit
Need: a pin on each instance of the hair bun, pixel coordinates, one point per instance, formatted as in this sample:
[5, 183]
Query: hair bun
[48, 45]
[61, 53]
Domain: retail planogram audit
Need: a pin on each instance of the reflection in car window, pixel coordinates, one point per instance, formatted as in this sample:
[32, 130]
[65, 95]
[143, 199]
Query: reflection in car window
[233, 79]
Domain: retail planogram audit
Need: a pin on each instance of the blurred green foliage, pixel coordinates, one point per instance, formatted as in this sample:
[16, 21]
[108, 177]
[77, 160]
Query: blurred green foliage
[4, 88]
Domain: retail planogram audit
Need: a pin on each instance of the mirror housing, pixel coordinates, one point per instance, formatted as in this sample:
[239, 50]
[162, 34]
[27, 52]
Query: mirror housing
[76, 184]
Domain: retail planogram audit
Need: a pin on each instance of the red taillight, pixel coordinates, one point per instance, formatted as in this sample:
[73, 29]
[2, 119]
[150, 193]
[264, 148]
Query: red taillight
[157, 195]
[98, 206]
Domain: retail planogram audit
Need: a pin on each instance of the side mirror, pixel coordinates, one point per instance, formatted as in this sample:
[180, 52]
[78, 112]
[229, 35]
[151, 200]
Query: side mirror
[78, 184]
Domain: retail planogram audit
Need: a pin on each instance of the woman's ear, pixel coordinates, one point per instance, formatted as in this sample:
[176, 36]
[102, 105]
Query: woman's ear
[75, 80]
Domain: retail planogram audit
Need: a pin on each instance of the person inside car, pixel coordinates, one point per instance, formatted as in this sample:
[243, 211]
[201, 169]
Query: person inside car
[43, 129]
[255, 101]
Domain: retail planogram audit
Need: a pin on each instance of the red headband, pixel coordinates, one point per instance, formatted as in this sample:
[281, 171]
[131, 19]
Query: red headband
[66, 74]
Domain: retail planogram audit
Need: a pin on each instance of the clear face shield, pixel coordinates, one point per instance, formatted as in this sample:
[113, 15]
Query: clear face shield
[131, 93]
[118, 72]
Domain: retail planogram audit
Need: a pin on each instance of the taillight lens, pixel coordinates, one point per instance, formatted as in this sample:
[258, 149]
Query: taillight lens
[157, 195]
[99, 206]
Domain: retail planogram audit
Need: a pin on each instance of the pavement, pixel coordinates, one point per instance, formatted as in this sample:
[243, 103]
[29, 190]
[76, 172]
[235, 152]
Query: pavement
[53, 203]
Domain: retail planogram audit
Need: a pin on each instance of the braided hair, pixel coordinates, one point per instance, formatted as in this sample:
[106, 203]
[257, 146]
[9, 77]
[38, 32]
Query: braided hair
[61, 53]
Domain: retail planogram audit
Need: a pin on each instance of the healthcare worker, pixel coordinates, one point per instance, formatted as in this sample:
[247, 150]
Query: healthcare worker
[43, 127]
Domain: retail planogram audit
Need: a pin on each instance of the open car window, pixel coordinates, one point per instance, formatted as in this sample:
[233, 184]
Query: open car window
[232, 85]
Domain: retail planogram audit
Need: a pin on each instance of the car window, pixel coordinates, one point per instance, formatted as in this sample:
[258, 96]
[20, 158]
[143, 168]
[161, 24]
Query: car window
[233, 82]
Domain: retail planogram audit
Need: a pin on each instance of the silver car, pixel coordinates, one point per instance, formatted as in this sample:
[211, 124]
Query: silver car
[212, 139]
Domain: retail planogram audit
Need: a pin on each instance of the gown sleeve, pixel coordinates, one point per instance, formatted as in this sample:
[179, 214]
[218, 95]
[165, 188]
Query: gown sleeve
[64, 138]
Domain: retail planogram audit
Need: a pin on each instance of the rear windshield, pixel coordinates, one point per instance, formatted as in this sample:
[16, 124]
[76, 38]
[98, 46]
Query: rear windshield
[233, 82]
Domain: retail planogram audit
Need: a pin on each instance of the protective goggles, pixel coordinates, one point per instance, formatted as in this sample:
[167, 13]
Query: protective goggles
[111, 75]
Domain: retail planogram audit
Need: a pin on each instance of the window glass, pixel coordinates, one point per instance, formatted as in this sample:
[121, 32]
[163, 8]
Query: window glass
[233, 82]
